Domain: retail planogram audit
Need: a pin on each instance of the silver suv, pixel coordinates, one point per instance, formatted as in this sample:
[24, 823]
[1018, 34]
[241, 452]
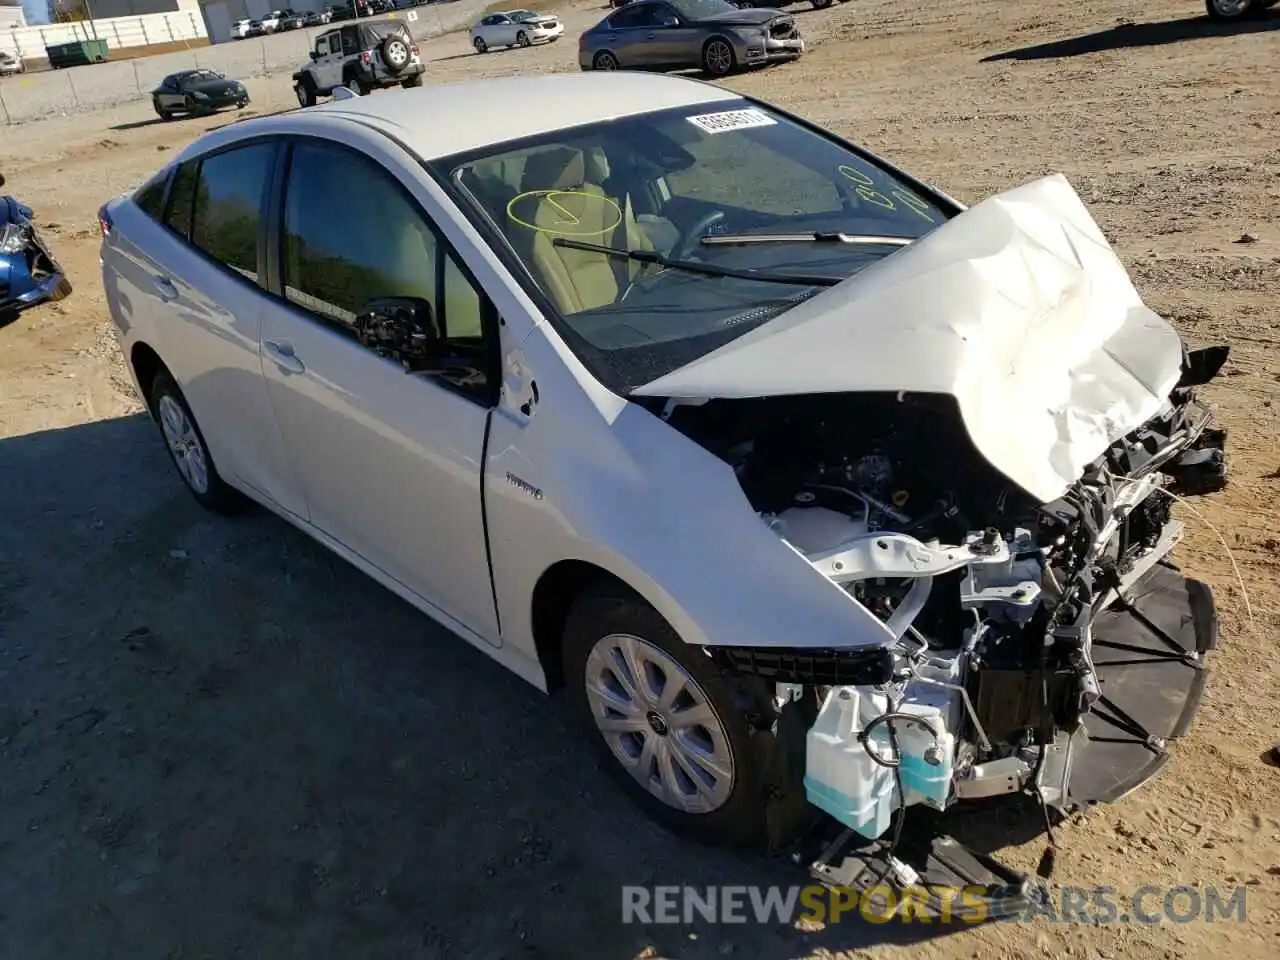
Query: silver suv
[362, 56]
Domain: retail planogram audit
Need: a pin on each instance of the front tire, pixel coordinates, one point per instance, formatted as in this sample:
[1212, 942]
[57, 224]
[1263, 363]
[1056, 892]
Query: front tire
[161, 112]
[1229, 11]
[522, 39]
[306, 94]
[664, 718]
[718, 59]
[188, 450]
[480, 45]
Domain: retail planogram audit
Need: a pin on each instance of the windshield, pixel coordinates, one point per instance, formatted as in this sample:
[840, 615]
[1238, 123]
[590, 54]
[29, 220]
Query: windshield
[200, 76]
[701, 9]
[522, 15]
[671, 182]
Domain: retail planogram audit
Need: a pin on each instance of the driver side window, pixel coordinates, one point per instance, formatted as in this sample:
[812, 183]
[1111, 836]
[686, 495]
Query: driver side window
[322, 47]
[381, 247]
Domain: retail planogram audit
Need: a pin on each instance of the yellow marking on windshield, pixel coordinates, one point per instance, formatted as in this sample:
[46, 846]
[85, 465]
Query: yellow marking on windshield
[864, 188]
[570, 224]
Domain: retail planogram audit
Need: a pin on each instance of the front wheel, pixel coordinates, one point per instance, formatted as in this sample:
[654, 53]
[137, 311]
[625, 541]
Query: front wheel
[522, 39]
[480, 45]
[188, 450]
[605, 61]
[1231, 10]
[306, 94]
[717, 58]
[664, 718]
[161, 112]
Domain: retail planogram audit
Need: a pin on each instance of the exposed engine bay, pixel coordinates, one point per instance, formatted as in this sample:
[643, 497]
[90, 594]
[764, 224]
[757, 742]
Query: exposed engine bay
[1015, 623]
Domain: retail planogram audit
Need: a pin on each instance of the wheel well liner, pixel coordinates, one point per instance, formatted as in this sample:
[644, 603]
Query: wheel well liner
[146, 364]
[553, 596]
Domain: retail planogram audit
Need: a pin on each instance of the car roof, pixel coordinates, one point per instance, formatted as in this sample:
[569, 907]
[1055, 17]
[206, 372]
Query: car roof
[469, 115]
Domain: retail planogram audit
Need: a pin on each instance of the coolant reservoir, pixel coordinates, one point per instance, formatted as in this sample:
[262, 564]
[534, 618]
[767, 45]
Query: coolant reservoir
[840, 777]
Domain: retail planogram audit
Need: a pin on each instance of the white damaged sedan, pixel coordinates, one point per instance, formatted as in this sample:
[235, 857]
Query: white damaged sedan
[809, 488]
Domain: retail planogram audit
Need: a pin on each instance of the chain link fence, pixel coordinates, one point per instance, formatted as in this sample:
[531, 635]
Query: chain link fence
[34, 96]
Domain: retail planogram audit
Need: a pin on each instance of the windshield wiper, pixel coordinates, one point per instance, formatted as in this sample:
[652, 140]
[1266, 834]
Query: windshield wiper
[818, 236]
[690, 266]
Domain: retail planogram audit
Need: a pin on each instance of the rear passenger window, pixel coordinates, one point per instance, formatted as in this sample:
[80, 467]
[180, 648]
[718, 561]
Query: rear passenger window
[229, 203]
[181, 199]
[150, 196]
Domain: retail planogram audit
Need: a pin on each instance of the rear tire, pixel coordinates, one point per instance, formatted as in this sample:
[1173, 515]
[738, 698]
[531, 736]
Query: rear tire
[414, 81]
[605, 61]
[611, 633]
[188, 450]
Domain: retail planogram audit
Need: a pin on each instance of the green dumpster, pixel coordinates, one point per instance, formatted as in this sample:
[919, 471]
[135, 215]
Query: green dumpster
[76, 54]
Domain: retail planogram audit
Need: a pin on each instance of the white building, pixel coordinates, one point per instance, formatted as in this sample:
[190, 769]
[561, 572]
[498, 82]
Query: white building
[11, 15]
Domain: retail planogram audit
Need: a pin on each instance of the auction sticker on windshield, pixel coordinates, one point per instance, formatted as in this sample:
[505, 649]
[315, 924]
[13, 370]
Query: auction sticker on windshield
[732, 120]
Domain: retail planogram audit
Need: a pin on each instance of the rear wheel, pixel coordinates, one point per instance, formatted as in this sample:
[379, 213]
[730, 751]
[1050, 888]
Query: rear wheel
[605, 61]
[411, 82]
[663, 717]
[717, 58]
[188, 450]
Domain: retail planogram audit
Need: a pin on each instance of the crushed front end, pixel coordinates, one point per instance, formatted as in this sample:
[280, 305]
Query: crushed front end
[1049, 648]
[29, 275]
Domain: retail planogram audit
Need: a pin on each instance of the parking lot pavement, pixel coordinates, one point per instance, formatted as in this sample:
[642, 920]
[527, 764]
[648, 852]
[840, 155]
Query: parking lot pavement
[217, 739]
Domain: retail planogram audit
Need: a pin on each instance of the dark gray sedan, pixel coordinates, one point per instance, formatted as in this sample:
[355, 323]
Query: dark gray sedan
[681, 34]
[197, 91]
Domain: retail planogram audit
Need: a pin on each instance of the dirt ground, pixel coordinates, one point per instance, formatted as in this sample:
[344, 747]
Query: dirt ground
[216, 739]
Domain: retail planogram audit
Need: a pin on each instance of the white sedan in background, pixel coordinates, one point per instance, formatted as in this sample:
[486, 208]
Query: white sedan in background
[515, 28]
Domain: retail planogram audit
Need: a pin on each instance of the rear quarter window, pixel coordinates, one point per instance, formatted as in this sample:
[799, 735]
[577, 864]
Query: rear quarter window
[149, 197]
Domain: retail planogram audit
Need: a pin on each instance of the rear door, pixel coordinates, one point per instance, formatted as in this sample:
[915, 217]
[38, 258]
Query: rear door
[629, 38]
[199, 271]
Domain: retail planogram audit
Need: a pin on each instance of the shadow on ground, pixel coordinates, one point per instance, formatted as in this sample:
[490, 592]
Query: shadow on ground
[1128, 35]
[218, 738]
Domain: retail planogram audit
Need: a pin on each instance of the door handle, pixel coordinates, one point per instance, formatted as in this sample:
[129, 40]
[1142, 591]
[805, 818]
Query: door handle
[165, 288]
[282, 355]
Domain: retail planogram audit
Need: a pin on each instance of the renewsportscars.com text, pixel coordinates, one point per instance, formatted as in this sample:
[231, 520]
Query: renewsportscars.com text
[819, 904]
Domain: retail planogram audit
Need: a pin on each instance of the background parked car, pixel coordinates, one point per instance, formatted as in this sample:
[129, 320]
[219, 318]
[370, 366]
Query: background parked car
[10, 64]
[674, 34]
[197, 91]
[515, 28]
[1236, 9]
[241, 29]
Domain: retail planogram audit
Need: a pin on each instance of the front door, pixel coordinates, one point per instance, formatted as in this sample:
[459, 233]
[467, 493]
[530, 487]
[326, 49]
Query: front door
[390, 462]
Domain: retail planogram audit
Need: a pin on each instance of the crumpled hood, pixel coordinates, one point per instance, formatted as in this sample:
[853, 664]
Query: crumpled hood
[1018, 308]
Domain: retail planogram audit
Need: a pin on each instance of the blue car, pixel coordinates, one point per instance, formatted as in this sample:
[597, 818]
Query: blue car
[28, 273]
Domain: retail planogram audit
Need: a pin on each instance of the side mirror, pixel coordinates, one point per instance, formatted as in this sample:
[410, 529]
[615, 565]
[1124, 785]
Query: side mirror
[670, 21]
[315, 55]
[402, 329]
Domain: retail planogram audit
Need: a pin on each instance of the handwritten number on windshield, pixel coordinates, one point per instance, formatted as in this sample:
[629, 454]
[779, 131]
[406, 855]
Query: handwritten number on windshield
[864, 188]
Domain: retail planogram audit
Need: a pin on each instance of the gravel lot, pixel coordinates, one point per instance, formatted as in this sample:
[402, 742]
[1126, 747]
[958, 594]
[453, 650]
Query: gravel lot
[38, 96]
[216, 739]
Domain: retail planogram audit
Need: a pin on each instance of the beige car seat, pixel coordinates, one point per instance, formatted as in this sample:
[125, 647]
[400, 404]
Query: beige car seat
[567, 204]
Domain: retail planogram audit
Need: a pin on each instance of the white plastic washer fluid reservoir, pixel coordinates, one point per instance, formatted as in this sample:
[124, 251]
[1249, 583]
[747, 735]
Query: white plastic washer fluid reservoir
[840, 776]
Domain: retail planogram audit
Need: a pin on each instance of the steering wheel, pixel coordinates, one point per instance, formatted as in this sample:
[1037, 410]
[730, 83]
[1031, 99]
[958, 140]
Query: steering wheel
[693, 236]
